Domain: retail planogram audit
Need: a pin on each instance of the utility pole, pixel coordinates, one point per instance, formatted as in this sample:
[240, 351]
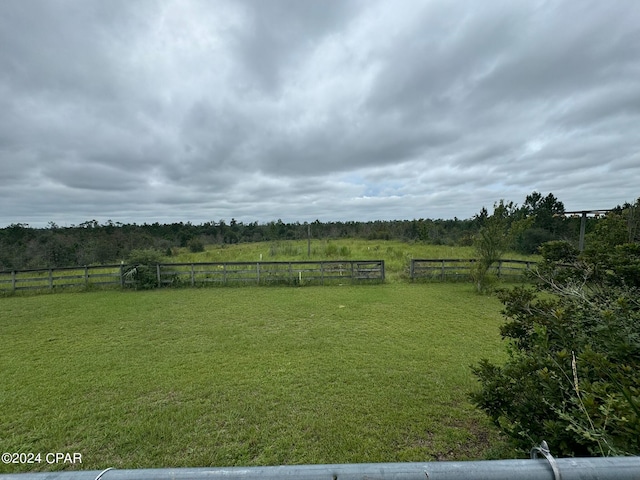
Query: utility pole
[631, 223]
[583, 222]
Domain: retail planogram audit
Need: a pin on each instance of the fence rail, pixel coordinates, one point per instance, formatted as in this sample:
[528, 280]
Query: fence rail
[601, 468]
[64, 277]
[460, 269]
[321, 272]
[198, 274]
[268, 273]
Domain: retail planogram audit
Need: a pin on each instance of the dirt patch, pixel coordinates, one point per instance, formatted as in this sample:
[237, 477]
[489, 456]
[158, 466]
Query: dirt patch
[456, 440]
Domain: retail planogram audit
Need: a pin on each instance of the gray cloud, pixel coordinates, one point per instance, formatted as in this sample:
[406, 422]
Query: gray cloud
[165, 110]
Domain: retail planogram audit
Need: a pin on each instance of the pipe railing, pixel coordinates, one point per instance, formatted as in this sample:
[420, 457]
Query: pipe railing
[597, 468]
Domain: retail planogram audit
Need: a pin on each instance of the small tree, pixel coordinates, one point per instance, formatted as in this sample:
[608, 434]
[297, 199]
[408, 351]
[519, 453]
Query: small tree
[494, 239]
[490, 245]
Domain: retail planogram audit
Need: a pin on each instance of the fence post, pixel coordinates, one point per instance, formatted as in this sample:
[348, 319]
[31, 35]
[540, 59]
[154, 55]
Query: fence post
[412, 269]
[86, 275]
[121, 275]
[158, 273]
[382, 266]
[51, 278]
[442, 271]
[13, 281]
[193, 276]
[322, 272]
[258, 272]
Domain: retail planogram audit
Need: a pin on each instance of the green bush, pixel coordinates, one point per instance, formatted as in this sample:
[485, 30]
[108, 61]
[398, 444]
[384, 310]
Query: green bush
[141, 270]
[560, 263]
[572, 377]
[331, 250]
[558, 251]
[531, 239]
[196, 245]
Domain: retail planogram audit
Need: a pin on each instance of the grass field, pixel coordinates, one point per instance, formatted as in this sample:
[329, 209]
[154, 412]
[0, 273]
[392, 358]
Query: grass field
[396, 254]
[246, 376]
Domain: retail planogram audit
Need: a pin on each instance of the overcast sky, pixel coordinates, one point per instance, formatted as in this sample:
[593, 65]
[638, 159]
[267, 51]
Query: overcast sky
[185, 110]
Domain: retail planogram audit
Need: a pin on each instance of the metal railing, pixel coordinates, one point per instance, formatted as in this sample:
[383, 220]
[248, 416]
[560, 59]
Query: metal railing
[600, 468]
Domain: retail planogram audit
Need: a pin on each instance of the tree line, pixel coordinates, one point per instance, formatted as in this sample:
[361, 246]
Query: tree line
[539, 219]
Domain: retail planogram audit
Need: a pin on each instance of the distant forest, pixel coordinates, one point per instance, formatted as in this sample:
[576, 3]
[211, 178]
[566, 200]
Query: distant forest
[91, 243]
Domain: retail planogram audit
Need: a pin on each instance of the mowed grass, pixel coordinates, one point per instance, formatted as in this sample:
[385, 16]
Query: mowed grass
[246, 376]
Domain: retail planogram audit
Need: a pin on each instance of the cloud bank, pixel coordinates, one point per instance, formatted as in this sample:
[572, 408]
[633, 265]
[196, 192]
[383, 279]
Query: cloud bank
[160, 110]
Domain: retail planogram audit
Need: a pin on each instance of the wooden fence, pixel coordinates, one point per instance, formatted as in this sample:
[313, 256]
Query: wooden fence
[239, 273]
[271, 273]
[50, 278]
[460, 269]
[198, 274]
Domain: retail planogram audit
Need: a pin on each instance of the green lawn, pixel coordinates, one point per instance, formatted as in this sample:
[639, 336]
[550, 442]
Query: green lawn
[246, 376]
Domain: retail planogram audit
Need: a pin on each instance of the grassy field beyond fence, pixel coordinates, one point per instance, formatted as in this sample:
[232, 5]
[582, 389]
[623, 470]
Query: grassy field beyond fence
[327, 261]
[251, 376]
[396, 254]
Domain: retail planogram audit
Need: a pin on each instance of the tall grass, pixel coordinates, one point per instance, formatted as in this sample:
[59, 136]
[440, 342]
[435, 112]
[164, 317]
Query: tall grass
[396, 254]
[251, 376]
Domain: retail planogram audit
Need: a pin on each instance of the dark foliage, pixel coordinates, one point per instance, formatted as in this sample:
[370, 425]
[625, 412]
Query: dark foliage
[539, 219]
[196, 245]
[92, 243]
[141, 270]
[573, 373]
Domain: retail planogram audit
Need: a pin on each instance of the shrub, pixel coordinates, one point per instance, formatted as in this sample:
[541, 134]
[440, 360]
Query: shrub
[572, 376]
[141, 268]
[331, 250]
[196, 245]
[531, 239]
[558, 251]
